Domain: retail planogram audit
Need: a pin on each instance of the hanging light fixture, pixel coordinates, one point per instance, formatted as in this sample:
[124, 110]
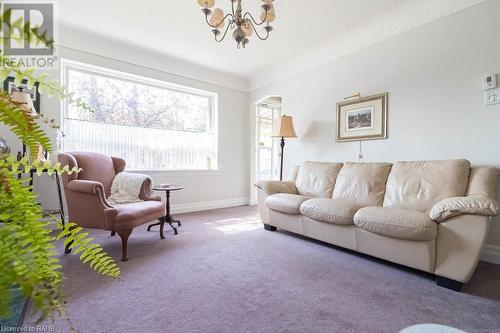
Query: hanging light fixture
[243, 25]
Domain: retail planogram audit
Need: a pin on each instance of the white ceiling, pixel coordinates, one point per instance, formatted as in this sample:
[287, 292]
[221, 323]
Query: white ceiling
[307, 32]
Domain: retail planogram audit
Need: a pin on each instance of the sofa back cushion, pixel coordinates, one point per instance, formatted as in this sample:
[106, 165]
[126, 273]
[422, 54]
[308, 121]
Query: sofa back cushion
[483, 181]
[419, 185]
[317, 179]
[362, 183]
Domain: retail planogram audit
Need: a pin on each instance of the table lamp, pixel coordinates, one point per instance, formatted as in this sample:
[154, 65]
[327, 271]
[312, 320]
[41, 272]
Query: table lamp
[286, 130]
[24, 101]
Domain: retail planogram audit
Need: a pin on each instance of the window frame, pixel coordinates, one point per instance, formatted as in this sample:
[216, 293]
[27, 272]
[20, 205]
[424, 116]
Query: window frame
[68, 65]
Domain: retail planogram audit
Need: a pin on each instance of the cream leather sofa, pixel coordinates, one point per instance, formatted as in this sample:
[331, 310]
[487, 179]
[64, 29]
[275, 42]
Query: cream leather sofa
[430, 215]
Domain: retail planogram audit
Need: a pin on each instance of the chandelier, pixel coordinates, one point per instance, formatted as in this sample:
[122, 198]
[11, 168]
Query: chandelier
[243, 25]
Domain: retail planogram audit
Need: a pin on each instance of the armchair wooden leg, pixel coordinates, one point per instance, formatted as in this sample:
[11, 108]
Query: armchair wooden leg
[124, 234]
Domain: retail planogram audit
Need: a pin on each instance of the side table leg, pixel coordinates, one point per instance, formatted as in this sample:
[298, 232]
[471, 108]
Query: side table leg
[169, 218]
[162, 223]
[170, 221]
[152, 225]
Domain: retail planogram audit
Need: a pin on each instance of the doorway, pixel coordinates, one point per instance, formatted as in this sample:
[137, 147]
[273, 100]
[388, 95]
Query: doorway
[267, 151]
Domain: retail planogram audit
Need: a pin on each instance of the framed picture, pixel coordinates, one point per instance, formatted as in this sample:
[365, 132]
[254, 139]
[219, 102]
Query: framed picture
[10, 86]
[363, 118]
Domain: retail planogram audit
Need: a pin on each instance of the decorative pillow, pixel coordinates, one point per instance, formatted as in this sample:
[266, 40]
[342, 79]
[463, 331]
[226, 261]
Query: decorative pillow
[450, 207]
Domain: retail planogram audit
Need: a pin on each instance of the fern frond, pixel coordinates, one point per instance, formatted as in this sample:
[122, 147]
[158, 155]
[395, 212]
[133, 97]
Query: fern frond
[22, 124]
[79, 242]
[27, 257]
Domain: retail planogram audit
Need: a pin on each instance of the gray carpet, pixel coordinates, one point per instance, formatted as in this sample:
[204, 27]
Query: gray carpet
[224, 273]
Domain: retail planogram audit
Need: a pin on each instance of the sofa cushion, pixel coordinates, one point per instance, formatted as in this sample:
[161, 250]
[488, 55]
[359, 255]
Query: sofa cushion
[285, 202]
[396, 223]
[483, 182]
[137, 210]
[330, 210]
[317, 179]
[362, 183]
[421, 184]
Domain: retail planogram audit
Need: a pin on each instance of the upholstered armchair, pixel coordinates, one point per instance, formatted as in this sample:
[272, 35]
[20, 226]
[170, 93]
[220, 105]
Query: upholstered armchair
[87, 192]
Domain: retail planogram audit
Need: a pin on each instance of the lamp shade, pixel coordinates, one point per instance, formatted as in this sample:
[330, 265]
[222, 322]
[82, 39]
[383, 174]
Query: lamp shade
[206, 3]
[20, 97]
[247, 28]
[23, 99]
[270, 16]
[286, 129]
[217, 18]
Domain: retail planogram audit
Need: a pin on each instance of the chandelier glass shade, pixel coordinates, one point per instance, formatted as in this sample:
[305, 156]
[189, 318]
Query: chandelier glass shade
[242, 25]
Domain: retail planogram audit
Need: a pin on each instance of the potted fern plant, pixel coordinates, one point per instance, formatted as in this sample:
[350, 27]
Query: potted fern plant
[28, 257]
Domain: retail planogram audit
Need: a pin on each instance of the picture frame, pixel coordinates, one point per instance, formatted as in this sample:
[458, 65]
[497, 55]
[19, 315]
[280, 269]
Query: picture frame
[362, 118]
[9, 85]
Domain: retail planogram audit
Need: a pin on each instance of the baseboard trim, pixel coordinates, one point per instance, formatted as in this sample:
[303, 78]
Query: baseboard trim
[208, 205]
[491, 254]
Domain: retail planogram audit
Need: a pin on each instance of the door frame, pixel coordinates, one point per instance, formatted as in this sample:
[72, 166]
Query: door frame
[253, 143]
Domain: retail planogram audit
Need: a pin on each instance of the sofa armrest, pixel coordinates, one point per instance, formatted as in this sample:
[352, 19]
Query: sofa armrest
[146, 192]
[85, 186]
[90, 187]
[269, 187]
[458, 246]
[475, 205]
[275, 186]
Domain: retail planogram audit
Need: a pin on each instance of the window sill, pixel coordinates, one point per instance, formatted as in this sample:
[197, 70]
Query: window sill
[179, 173]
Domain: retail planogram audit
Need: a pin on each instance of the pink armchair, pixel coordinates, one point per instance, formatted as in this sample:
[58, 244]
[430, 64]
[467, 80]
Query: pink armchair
[87, 192]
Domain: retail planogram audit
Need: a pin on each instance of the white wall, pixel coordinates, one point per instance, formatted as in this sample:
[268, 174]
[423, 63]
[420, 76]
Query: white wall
[203, 190]
[435, 106]
[433, 76]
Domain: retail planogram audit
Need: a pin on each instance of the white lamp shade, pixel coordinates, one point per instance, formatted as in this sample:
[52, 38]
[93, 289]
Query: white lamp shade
[270, 17]
[217, 18]
[285, 128]
[206, 3]
[247, 28]
[24, 99]
[20, 97]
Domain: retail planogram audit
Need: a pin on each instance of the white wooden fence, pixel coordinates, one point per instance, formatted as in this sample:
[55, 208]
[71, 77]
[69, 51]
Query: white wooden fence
[143, 148]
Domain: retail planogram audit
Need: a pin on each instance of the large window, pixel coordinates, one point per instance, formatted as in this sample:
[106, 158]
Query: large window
[149, 123]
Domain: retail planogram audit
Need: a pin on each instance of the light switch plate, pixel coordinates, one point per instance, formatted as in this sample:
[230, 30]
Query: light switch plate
[492, 96]
[489, 81]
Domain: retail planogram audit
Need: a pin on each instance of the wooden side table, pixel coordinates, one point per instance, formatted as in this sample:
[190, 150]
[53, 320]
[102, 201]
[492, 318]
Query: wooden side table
[168, 217]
